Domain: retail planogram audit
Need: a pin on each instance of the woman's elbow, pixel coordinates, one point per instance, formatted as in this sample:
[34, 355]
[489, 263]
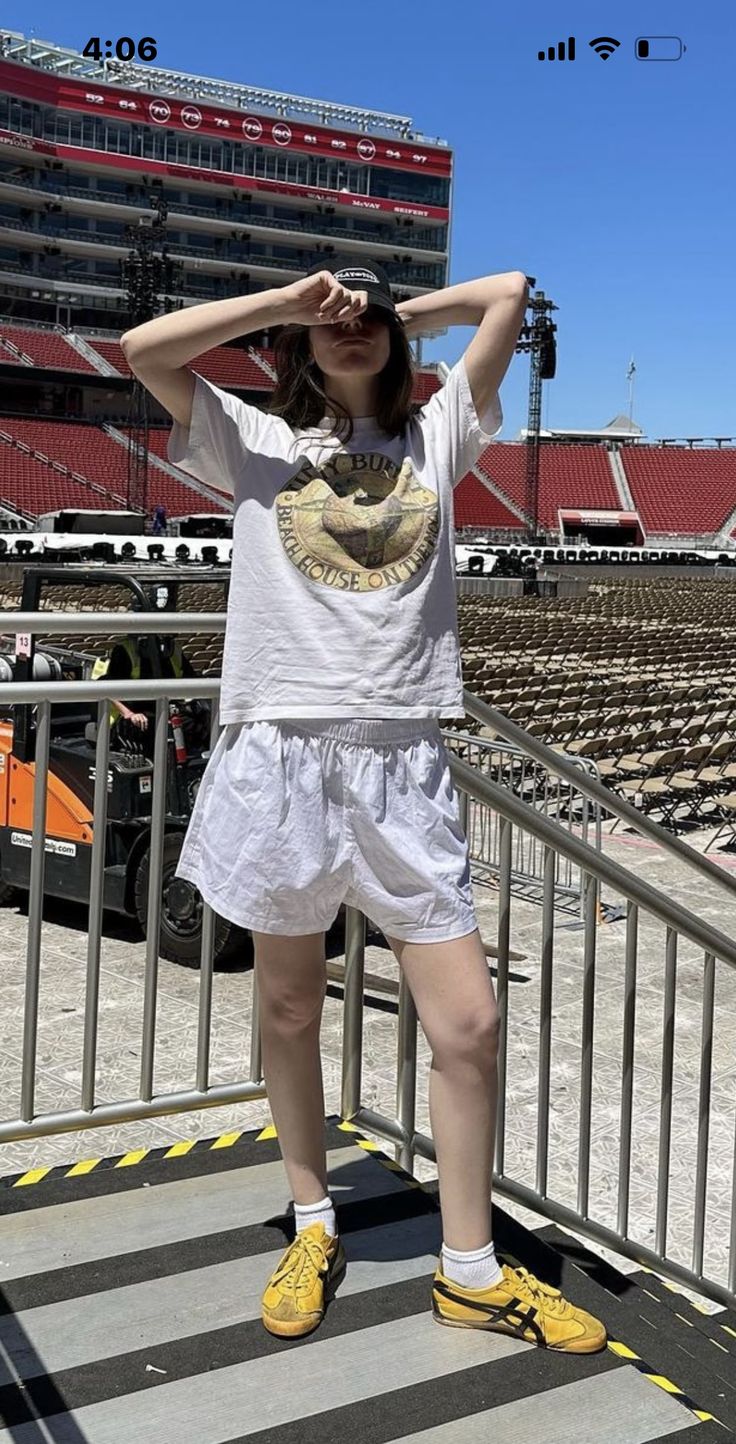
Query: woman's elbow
[132, 345]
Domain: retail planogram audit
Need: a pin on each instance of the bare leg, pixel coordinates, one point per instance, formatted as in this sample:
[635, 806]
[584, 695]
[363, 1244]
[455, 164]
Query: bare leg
[453, 993]
[292, 980]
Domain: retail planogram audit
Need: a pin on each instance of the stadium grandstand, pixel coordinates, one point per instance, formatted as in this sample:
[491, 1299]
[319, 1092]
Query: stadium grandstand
[88, 151]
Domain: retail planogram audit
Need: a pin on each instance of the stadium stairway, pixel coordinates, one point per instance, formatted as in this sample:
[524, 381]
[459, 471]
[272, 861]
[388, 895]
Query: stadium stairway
[188, 484]
[621, 480]
[131, 1293]
[95, 359]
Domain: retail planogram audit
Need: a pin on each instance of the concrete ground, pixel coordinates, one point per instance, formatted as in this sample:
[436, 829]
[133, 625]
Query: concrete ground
[61, 1023]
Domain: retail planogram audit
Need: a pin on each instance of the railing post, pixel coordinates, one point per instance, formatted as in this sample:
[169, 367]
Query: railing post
[206, 964]
[35, 911]
[590, 889]
[504, 929]
[153, 917]
[406, 1073]
[94, 923]
[352, 1037]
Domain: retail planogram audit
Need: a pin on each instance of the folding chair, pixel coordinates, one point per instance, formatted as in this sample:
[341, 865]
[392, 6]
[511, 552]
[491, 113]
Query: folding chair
[650, 792]
[727, 809]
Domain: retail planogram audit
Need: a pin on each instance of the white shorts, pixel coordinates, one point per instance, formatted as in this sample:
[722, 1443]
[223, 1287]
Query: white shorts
[294, 818]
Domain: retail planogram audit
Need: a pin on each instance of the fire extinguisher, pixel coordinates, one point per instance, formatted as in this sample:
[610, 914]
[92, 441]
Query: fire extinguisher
[180, 746]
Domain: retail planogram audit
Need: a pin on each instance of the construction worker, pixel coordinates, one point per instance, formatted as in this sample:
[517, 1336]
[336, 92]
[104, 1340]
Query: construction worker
[127, 661]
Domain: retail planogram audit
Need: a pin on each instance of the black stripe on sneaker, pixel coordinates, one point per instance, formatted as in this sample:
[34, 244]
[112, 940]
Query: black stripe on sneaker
[525, 1314]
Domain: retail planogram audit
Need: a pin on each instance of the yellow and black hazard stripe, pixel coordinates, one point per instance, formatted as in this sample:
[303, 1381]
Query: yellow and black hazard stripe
[179, 1150]
[624, 1352]
[129, 1160]
[693, 1303]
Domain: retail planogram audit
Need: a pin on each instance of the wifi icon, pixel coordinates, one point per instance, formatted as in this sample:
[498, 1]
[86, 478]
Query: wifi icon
[604, 46]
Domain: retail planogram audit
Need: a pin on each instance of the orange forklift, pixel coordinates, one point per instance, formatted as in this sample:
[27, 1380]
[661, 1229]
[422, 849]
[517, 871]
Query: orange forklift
[71, 777]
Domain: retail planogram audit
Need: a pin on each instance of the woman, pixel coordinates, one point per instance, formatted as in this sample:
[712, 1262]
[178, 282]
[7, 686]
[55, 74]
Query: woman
[330, 781]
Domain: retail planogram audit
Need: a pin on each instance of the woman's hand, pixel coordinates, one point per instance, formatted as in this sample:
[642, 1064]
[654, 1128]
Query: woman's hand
[320, 300]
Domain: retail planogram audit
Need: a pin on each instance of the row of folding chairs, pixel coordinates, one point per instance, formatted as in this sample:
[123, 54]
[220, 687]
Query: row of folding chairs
[680, 783]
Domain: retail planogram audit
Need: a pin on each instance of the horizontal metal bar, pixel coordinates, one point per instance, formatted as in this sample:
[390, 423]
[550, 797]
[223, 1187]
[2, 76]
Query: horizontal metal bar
[133, 1110]
[16, 693]
[629, 884]
[388, 1128]
[111, 623]
[592, 787]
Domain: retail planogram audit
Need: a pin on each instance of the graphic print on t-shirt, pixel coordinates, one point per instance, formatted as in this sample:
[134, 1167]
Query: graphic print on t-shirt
[357, 522]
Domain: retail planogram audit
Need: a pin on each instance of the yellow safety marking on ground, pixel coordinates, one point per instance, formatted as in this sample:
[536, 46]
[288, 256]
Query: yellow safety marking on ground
[268, 1132]
[85, 1166]
[226, 1140]
[663, 1383]
[369, 1145]
[624, 1352]
[346, 1127]
[701, 1308]
[178, 1149]
[683, 1320]
[34, 1175]
[130, 1159]
[730, 1331]
[621, 1350]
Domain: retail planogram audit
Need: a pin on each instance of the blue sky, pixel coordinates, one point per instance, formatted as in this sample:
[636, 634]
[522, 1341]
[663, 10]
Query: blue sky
[610, 181]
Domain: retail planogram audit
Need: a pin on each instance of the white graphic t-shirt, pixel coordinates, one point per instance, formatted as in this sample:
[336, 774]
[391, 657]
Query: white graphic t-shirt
[342, 594]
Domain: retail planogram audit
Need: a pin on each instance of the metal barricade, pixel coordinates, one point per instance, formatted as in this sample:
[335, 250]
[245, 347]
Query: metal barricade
[643, 977]
[559, 799]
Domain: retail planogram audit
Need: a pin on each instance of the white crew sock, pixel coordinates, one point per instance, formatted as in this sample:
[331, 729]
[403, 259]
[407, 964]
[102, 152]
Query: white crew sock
[478, 1269]
[322, 1212]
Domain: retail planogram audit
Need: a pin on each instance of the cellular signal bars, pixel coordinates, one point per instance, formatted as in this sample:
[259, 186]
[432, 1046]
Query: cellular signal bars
[559, 54]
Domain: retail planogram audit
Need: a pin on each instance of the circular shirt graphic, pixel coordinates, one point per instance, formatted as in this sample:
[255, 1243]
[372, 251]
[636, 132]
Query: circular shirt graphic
[357, 522]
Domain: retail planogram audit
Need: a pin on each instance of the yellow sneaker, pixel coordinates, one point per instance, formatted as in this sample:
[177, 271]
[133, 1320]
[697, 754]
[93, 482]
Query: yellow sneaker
[522, 1306]
[306, 1276]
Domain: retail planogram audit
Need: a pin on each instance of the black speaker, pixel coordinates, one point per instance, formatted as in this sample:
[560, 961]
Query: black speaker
[475, 564]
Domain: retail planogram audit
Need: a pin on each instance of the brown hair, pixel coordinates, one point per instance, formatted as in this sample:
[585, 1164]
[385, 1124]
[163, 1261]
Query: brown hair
[299, 395]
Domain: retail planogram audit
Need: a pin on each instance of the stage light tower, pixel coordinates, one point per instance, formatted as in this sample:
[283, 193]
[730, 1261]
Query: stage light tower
[538, 338]
[147, 273]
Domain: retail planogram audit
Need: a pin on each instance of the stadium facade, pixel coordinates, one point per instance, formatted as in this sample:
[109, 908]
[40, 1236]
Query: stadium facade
[257, 185]
[250, 189]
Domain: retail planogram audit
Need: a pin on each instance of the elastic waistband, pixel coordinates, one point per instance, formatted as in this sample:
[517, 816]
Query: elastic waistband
[366, 729]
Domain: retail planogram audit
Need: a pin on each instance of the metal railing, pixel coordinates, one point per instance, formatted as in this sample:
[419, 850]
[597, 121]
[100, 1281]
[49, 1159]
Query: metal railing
[700, 954]
[561, 800]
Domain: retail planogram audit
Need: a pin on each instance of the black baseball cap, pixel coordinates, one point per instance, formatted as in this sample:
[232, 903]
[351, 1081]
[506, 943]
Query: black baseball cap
[361, 275]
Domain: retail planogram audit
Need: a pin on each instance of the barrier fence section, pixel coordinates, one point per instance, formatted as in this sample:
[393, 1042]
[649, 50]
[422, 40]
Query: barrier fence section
[557, 798]
[666, 960]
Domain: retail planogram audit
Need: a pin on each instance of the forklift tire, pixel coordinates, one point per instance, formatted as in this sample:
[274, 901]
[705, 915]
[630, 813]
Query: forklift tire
[180, 937]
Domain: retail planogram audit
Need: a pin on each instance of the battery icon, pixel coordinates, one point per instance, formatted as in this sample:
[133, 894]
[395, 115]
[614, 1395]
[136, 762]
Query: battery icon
[659, 47]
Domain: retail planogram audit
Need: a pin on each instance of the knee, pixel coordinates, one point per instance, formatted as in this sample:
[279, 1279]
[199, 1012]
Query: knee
[288, 1012]
[292, 981]
[472, 1039]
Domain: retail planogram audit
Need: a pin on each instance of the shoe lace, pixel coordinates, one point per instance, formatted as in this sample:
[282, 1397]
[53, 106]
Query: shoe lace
[301, 1263]
[548, 1299]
